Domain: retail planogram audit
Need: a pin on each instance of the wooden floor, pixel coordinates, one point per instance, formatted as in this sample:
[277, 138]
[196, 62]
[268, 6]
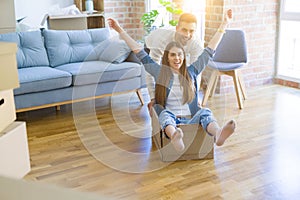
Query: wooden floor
[106, 148]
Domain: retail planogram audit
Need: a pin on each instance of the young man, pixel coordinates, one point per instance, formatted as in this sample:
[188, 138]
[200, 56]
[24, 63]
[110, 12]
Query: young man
[184, 34]
[157, 40]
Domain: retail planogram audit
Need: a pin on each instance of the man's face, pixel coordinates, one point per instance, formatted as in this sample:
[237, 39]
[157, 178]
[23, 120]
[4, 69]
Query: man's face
[184, 32]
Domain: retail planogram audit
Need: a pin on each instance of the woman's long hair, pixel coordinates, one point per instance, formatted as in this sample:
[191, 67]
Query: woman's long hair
[165, 75]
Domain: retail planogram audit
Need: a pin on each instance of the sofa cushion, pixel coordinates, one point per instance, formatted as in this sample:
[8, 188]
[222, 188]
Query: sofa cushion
[115, 51]
[70, 46]
[31, 51]
[91, 72]
[37, 79]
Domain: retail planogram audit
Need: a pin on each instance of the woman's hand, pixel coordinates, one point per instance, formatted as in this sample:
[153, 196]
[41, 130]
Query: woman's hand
[114, 25]
[226, 20]
[228, 16]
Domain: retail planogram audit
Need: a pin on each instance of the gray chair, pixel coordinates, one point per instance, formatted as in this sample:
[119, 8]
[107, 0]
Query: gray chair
[230, 56]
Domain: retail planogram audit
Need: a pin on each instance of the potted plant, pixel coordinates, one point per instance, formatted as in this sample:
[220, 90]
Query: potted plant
[173, 9]
[149, 18]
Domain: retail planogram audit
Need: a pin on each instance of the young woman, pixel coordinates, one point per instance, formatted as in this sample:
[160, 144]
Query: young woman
[176, 88]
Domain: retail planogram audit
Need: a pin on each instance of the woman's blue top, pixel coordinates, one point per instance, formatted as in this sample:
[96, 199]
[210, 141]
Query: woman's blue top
[194, 69]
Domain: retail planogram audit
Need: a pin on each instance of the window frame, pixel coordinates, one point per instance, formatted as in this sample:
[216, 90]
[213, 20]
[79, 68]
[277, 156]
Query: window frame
[284, 16]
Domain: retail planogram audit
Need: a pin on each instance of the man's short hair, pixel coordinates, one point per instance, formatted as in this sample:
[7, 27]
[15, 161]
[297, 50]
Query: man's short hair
[187, 17]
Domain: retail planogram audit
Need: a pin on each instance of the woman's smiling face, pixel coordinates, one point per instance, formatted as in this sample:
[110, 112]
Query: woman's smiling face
[175, 58]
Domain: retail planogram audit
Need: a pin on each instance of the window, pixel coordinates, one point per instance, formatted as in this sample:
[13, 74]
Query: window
[163, 17]
[195, 7]
[288, 63]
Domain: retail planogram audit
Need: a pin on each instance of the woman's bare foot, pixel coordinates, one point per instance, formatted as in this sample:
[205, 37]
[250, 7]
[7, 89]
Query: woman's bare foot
[177, 140]
[225, 132]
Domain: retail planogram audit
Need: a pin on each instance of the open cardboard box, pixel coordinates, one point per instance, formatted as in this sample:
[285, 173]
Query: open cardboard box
[199, 145]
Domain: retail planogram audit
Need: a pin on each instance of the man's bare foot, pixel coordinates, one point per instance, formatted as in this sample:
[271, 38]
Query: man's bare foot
[177, 140]
[225, 132]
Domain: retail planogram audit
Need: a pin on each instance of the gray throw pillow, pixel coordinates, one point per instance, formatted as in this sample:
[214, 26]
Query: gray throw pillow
[116, 51]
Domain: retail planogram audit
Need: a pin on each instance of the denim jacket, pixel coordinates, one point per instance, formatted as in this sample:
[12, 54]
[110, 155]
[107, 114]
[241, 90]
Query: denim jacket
[194, 69]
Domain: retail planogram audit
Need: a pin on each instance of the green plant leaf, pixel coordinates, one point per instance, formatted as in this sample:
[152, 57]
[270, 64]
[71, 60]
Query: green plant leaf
[164, 3]
[149, 18]
[169, 9]
[173, 22]
[178, 11]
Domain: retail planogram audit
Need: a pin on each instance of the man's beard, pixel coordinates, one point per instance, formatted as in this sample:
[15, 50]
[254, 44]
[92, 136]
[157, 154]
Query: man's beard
[181, 39]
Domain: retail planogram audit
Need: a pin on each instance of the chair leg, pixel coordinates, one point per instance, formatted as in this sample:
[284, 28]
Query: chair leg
[242, 85]
[140, 96]
[238, 85]
[210, 84]
[213, 91]
[237, 88]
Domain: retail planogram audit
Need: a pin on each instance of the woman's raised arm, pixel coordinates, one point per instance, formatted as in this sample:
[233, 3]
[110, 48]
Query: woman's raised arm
[214, 42]
[133, 45]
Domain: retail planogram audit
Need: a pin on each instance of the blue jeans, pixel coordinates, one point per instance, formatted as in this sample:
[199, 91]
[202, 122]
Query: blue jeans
[203, 117]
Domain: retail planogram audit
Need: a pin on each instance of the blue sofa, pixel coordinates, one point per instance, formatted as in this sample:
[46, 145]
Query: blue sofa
[58, 67]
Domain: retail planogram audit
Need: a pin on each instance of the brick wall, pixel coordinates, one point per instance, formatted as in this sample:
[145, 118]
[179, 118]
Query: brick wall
[258, 18]
[128, 13]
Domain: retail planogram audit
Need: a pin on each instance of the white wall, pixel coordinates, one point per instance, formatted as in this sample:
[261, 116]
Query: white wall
[35, 10]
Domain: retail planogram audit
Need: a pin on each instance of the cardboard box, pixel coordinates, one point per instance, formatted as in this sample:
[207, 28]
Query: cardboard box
[198, 144]
[7, 108]
[9, 78]
[14, 189]
[14, 153]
